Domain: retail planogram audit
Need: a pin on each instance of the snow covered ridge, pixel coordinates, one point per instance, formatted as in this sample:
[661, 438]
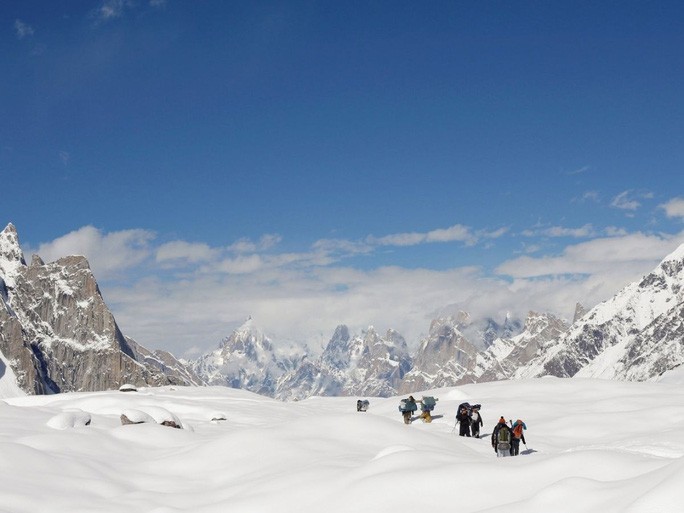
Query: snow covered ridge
[57, 334]
[584, 452]
[637, 335]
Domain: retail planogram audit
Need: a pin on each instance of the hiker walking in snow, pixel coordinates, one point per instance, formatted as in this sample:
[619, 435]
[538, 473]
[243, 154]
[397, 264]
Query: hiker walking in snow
[475, 421]
[407, 407]
[518, 427]
[463, 418]
[501, 438]
[427, 404]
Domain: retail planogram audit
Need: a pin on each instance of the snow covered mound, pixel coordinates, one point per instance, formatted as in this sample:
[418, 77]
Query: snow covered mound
[69, 419]
[592, 445]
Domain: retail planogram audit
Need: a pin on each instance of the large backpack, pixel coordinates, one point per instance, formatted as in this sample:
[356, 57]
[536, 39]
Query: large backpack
[518, 427]
[428, 403]
[406, 405]
[503, 438]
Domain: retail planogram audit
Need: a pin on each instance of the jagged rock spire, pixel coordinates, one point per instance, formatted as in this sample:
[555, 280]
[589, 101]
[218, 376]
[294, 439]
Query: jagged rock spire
[56, 330]
[579, 312]
[11, 257]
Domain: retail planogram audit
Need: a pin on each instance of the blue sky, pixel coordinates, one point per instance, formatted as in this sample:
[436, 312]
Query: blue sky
[316, 163]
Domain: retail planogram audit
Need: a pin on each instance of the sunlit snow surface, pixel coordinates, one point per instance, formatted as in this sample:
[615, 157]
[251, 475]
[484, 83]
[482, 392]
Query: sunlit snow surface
[592, 446]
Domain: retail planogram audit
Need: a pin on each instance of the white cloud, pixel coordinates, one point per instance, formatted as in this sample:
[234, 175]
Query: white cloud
[624, 202]
[591, 196]
[596, 256]
[629, 200]
[239, 265]
[303, 296]
[302, 305]
[187, 252]
[266, 241]
[23, 29]
[579, 171]
[494, 234]
[111, 9]
[341, 246]
[456, 232]
[107, 254]
[560, 231]
[306, 303]
[674, 207]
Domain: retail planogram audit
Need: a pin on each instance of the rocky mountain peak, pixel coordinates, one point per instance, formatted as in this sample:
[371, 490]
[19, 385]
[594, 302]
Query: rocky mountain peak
[250, 341]
[11, 256]
[636, 335]
[56, 330]
[580, 311]
[36, 260]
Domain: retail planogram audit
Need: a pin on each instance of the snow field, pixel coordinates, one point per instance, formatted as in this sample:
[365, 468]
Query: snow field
[591, 446]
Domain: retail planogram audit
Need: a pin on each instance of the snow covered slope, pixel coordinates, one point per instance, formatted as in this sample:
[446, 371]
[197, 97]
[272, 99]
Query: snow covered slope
[505, 356]
[636, 335]
[585, 452]
[246, 359]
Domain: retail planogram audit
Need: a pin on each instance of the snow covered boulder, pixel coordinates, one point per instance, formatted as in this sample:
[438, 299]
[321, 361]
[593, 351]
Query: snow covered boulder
[217, 416]
[136, 417]
[70, 419]
[127, 387]
[164, 417]
[152, 415]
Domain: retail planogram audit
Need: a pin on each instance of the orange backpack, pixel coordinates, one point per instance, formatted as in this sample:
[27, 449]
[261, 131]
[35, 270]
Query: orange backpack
[518, 428]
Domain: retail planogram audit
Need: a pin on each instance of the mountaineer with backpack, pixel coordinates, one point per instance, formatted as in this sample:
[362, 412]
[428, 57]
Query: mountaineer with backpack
[501, 439]
[463, 417]
[475, 420]
[517, 428]
[407, 407]
[427, 404]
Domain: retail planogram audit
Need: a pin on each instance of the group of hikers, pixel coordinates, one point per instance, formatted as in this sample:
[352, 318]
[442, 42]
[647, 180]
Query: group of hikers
[469, 420]
[505, 438]
[408, 406]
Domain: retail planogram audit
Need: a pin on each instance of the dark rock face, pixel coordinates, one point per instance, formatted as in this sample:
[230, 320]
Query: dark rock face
[445, 358]
[57, 331]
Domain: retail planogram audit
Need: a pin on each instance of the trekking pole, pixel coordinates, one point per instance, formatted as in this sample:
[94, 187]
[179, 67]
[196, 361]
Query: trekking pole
[453, 429]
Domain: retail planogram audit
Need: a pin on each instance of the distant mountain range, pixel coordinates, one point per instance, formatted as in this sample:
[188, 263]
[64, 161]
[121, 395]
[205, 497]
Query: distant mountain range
[58, 335]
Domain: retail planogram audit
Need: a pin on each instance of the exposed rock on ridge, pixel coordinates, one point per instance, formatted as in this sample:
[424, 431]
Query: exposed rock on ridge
[636, 335]
[56, 330]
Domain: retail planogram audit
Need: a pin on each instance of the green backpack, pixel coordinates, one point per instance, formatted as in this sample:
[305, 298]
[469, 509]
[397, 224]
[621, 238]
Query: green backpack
[504, 435]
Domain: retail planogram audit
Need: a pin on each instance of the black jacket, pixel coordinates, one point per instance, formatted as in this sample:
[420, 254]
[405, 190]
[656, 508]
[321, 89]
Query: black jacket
[497, 429]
